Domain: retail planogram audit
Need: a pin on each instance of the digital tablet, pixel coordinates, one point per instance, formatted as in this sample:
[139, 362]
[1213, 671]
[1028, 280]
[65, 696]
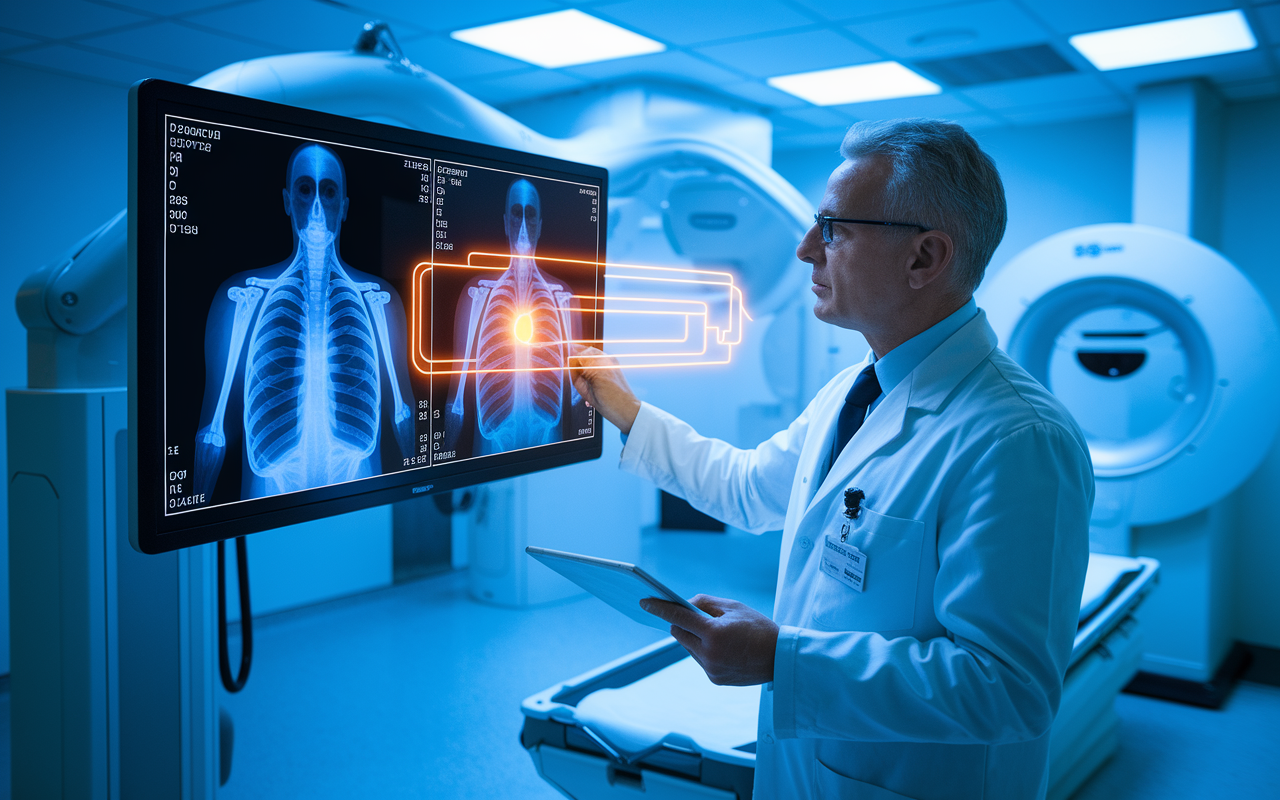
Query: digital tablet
[618, 583]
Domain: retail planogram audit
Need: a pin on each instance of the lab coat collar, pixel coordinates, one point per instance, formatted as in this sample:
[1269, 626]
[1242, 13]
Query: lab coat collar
[943, 369]
[926, 388]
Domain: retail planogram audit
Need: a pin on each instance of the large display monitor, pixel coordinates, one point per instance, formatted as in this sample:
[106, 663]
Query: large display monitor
[328, 314]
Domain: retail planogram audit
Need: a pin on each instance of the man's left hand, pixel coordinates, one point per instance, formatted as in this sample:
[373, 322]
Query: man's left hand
[735, 646]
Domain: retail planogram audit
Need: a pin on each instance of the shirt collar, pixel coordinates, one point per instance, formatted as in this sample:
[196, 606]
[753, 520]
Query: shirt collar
[899, 362]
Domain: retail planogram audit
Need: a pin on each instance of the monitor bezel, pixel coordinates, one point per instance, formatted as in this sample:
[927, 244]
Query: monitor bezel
[154, 532]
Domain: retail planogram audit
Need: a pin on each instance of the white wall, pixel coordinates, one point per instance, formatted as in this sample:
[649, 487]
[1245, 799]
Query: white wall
[1250, 220]
[1064, 175]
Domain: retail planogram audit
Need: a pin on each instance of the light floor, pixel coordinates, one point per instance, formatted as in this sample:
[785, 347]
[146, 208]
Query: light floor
[414, 692]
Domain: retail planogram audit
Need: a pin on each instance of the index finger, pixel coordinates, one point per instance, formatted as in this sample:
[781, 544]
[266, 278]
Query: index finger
[675, 614]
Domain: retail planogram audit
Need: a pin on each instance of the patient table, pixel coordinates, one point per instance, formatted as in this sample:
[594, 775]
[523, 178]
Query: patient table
[652, 722]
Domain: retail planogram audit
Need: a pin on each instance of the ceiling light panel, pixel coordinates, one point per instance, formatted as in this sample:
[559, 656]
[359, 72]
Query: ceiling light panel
[559, 39]
[883, 80]
[1170, 40]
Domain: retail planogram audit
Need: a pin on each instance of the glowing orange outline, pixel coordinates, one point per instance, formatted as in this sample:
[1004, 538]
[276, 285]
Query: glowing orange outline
[721, 334]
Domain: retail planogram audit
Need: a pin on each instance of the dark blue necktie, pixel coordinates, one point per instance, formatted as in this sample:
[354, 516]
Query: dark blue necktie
[866, 388]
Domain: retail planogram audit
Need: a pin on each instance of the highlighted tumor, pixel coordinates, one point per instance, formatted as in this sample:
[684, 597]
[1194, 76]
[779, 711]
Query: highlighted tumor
[524, 328]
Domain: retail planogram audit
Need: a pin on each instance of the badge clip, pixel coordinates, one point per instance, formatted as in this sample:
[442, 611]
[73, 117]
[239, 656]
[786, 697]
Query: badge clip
[853, 497]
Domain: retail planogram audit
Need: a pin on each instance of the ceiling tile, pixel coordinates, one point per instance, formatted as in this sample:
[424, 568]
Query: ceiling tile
[524, 86]
[1249, 65]
[797, 141]
[1059, 112]
[454, 60]
[453, 16]
[936, 105]
[757, 92]
[65, 18]
[11, 41]
[167, 8]
[1080, 16]
[179, 45]
[977, 122]
[1038, 91]
[783, 124]
[683, 22]
[955, 30]
[293, 25]
[789, 53]
[98, 66]
[817, 117]
[858, 9]
[1269, 17]
[672, 64]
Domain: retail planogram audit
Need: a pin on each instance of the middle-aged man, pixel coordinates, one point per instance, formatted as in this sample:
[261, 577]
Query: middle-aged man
[934, 502]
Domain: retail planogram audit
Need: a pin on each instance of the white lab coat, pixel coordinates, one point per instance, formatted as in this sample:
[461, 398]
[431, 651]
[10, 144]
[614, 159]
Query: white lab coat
[940, 679]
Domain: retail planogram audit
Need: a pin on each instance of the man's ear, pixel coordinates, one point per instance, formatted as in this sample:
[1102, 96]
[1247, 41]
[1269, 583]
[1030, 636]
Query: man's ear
[931, 255]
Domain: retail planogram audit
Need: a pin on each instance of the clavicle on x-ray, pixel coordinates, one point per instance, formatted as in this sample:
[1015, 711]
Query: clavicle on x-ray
[517, 329]
[311, 342]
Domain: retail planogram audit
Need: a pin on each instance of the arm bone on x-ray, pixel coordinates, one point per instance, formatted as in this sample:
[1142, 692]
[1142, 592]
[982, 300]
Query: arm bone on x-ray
[479, 296]
[377, 302]
[246, 300]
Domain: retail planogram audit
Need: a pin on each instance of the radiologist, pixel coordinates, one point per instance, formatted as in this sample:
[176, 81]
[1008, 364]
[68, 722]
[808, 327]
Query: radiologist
[934, 502]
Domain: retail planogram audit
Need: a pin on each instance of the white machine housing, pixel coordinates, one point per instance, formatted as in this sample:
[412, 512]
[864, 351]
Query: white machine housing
[1167, 356]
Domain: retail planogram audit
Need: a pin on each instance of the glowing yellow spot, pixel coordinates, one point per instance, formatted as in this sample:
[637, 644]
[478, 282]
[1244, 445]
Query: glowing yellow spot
[524, 328]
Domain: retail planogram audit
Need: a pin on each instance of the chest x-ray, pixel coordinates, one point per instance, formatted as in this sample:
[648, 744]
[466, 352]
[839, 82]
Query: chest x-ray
[518, 329]
[362, 311]
[312, 342]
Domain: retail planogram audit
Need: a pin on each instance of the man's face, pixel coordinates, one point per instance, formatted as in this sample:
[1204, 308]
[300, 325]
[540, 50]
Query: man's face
[523, 218]
[316, 197]
[860, 278]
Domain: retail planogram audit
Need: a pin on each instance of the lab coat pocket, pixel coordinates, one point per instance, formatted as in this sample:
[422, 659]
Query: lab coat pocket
[887, 602]
[830, 785]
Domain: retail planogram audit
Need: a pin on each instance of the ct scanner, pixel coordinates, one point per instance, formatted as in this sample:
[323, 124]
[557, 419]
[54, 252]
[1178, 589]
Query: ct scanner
[1166, 355]
[690, 185]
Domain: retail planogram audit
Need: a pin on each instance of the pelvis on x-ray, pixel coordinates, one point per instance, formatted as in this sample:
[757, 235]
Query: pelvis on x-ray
[321, 339]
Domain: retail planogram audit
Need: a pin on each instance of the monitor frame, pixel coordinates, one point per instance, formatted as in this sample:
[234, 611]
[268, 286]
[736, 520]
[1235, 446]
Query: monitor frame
[150, 530]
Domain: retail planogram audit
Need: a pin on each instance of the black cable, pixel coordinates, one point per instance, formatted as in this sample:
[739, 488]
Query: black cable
[235, 684]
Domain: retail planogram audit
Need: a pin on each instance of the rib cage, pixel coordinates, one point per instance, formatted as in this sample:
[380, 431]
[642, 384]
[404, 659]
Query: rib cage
[312, 390]
[518, 407]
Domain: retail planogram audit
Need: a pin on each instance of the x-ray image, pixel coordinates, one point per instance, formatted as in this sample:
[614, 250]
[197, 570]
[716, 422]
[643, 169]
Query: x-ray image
[312, 349]
[336, 312]
[517, 330]
[514, 326]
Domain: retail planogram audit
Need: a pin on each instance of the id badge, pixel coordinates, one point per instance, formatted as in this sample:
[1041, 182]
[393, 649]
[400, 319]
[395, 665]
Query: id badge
[844, 562]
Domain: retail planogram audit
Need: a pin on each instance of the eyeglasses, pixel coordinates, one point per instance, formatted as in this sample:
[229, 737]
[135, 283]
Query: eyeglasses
[825, 222]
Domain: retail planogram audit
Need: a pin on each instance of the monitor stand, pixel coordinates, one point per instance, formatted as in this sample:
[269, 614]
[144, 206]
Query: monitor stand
[113, 652]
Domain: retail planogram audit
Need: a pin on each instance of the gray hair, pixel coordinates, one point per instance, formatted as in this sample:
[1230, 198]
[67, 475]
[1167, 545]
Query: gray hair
[941, 178]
